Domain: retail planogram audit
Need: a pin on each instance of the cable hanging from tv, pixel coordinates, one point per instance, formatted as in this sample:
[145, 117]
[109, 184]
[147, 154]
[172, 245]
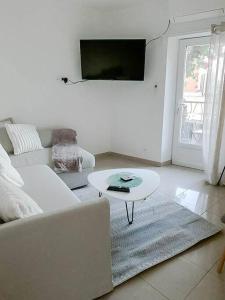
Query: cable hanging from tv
[161, 35]
[145, 44]
[67, 81]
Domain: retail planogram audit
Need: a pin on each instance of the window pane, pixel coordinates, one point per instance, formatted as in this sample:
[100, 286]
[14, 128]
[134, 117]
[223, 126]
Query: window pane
[196, 67]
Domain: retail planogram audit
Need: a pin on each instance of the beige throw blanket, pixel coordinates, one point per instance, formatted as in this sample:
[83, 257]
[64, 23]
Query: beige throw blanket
[66, 155]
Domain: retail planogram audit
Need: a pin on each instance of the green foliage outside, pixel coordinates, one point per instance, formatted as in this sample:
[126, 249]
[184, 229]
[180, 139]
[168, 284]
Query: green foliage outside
[195, 59]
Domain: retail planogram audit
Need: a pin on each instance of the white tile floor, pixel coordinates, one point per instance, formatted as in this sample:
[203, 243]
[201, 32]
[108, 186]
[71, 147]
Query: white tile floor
[191, 275]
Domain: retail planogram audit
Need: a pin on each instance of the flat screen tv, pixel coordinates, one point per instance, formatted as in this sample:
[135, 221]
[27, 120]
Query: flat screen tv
[113, 59]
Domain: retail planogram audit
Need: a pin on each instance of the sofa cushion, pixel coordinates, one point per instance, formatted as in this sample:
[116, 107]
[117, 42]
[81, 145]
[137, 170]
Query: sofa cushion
[48, 190]
[24, 137]
[5, 140]
[44, 156]
[45, 135]
[7, 171]
[88, 159]
[38, 157]
[15, 203]
[6, 121]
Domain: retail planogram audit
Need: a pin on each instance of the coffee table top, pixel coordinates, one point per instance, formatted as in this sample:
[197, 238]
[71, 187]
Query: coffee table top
[147, 182]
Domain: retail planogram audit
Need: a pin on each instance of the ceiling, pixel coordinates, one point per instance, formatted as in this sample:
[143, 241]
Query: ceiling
[176, 7]
[114, 4]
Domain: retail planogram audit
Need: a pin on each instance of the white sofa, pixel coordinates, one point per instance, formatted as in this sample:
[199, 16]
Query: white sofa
[64, 253]
[44, 156]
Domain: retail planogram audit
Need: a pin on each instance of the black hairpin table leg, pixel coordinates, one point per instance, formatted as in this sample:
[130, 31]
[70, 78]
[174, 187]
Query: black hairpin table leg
[130, 221]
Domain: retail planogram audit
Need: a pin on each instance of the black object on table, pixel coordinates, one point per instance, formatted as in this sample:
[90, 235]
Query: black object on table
[119, 188]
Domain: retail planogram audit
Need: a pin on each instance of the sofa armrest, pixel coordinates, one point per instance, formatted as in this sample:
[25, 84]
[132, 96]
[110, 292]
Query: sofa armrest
[61, 255]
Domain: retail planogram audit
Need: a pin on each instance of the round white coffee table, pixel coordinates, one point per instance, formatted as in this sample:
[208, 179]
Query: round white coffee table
[146, 184]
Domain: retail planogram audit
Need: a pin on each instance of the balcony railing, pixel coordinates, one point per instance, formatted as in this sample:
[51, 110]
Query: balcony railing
[192, 121]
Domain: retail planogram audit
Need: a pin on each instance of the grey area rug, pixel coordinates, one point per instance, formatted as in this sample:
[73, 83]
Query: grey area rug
[161, 230]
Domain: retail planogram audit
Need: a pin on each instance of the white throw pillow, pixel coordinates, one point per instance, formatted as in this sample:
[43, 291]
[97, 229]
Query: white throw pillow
[7, 170]
[15, 203]
[24, 137]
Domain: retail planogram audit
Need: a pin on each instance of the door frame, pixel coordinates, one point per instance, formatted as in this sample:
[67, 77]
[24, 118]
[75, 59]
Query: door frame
[195, 149]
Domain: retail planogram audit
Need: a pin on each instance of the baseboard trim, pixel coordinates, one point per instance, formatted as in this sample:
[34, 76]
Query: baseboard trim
[185, 165]
[166, 163]
[103, 155]
[134, 158]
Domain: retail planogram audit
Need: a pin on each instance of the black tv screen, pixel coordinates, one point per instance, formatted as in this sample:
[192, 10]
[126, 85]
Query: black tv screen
[113, 59]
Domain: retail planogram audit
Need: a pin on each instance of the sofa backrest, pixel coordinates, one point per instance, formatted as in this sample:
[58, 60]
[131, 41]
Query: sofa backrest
[45, 136]
[44, 133]
[37, 157]
[5, 141]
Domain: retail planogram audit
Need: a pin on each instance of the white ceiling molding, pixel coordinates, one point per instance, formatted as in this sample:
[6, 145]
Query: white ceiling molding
[219, 12]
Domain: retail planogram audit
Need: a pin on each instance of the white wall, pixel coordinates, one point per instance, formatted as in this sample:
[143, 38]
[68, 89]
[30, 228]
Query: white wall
[137, 106]
[39, 42]
[142, 116]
